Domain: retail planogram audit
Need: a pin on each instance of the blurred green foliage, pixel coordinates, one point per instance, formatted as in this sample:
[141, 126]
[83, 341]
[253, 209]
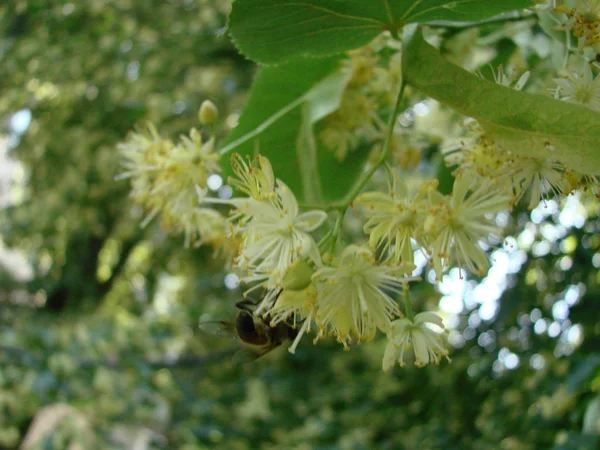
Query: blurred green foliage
[108, 323]
[89, 73]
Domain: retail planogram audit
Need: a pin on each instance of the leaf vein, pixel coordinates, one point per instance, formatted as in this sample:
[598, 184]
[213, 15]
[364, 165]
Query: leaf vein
[425, 11]
[325, 10]
[407, 12]
[328, 30]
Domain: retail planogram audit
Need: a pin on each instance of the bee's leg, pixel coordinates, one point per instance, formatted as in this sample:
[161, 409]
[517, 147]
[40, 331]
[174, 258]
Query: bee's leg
[246, 305]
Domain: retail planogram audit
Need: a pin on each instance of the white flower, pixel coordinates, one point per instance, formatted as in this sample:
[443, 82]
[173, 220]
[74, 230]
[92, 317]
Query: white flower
[578, 85]
[538, 176]
[273, 232]
[194, 159]
[256, 181]
[458, 223]
[274, 236]
[393, 219]
[583, 20]
[590, 8]
[166, 177]
[297, 305]
[426, 343]
[141, 154]
[276, 233]
[141, 150]
[481, 157]
[352, 295]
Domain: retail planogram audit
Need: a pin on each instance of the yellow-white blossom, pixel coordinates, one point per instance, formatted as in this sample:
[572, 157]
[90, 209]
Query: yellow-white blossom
[538, 176]
[273, 232]
[353, 295]
[141, 154]
[457, 223]
[583, 19]
[481, 158]
[370, 84]
[166, 177]
[428, 345]
[299, 306]
[203, 226]
[578, 85]
[277, 233]
[255, 180]
[394, 219]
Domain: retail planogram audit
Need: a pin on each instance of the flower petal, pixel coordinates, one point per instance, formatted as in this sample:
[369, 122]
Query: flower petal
[430, 318]
[399, 187]
[310, 220]
[288, 199]
[267, 171]
[419, 342]
[389, 356]
[376, 201]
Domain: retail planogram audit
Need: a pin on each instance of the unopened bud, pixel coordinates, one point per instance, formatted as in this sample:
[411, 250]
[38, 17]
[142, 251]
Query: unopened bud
[298, 276]
[208, 112]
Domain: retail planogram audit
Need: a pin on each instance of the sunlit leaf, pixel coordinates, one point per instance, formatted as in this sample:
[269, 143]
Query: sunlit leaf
[284, 104]
[583, 372]
[274, 31]
[528, 124]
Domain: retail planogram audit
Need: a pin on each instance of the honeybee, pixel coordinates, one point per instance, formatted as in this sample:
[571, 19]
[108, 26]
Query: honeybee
[253, 331]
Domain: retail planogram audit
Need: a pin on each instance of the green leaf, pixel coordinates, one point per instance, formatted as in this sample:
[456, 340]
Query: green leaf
[274, 31]
[284, 105]
[444, 177]
[528, 124]
[306, 148]
[456, 11]
[582, 373]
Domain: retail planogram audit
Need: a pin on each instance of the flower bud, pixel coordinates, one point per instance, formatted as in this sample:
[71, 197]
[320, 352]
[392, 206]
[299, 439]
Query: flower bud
[298, 276]
[208, 112]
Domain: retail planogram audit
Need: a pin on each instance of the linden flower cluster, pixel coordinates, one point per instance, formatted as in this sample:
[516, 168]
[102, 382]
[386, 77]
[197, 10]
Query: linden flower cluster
[170, 179]
[350, 292]
[447, 228]
[349, 299]
[480, 158]
[583, 20]
[347, 296]
[272, 231]
[370, 84]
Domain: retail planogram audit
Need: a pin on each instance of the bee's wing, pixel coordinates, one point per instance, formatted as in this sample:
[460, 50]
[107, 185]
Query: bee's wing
[218, 328]
[249, 354]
